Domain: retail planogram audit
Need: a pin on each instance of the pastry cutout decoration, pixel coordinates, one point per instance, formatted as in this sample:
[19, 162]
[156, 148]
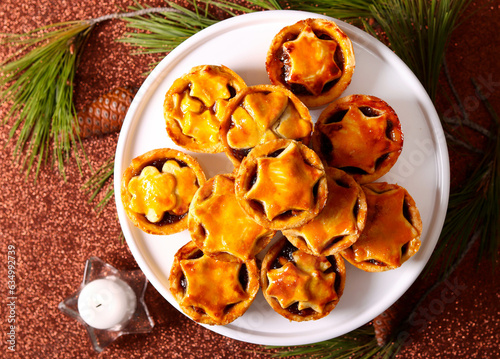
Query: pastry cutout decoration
[211, 291]
[259, 114]
[359, 134]
[314, 59]
[220, 227]
[301, 286]
[194, 106]
[281, 184]
[157, 189]
[339, 224]
[392, 231]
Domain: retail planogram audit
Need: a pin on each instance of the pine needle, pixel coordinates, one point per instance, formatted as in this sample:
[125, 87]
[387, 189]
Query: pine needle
[357, 344]
[351, 11]
[39, 84]
[95, 184]
[474, 208]
[418, 32]
[163, 32]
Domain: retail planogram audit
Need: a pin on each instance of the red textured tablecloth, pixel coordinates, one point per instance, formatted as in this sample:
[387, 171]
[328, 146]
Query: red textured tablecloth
[54, 230]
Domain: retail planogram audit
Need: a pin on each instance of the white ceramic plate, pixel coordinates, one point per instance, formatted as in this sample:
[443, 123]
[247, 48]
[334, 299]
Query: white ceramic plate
[241, 43]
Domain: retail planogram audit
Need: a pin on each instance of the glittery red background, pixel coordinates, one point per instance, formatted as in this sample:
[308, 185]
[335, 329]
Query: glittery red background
[54, 229]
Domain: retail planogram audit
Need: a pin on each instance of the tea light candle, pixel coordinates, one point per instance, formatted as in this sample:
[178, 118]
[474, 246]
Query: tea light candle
[107, 303]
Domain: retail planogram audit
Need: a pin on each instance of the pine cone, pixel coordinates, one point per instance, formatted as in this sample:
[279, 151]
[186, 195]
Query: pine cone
[105, 115]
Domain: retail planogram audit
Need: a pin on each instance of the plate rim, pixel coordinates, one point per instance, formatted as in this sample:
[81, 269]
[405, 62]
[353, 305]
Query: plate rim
[430, 114]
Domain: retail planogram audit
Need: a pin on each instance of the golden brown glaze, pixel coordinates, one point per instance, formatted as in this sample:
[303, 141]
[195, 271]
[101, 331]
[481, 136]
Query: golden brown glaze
[392, 231]
[359, 134]
[157, 188]
[195, 104]
[313, 58]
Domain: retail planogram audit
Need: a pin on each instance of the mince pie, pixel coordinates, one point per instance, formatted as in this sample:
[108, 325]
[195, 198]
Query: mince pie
[392, 231]
[339, 224]
[262, 113]
[194, 106]
[281, 184]
[359, 134]
[220, 227]
[314, 59]
[301, 286]
[157, 188]
[211, 291]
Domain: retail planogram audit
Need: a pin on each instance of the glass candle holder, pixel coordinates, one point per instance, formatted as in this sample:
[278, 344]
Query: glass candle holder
[109, 303]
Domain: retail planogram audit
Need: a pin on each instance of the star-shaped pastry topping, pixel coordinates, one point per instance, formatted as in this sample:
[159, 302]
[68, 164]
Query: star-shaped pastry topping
[152, 193]
[303, 282]
[336, 219]
[284, 182]
[312, 62]
[227, 227]
[212, 285]
[358, 140]
[204, 127]
[208, 86]
[386, 229]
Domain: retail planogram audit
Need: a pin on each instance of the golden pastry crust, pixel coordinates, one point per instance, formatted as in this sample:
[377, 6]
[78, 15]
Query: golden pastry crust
[339, 224]
[218, 225]
[281, 184]
[392, 231]
[261, 113]
[314, 59]
[157, 188]
[300, 286]
[195, 103]
[359, 134]
[210, 291]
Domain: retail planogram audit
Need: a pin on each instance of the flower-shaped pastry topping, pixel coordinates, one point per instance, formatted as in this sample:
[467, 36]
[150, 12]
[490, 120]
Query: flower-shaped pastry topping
[152, 193]
[304, 282]
[186, 185]
[285, 183]
[312, 61]
[212, 285]
[387, 229]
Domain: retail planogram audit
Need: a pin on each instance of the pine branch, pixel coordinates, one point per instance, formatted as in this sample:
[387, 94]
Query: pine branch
[357, 344]
[37, 82]
[418, 32]
[96, 183]
[475, 207]
[352, 11]
[163, 32]
[39, 85]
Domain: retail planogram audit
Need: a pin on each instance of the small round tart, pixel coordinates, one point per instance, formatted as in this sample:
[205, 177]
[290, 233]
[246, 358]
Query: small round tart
[299, 285]
[359, 134]
[314, 59]
[339, 224]
[210, 291]
[194, 106]
[220, 227]
[281, 184]
[261, 113]
[392, 231]
[157, 189]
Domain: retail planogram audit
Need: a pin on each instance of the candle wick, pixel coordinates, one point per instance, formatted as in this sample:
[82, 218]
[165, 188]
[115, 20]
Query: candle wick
[97, 306]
